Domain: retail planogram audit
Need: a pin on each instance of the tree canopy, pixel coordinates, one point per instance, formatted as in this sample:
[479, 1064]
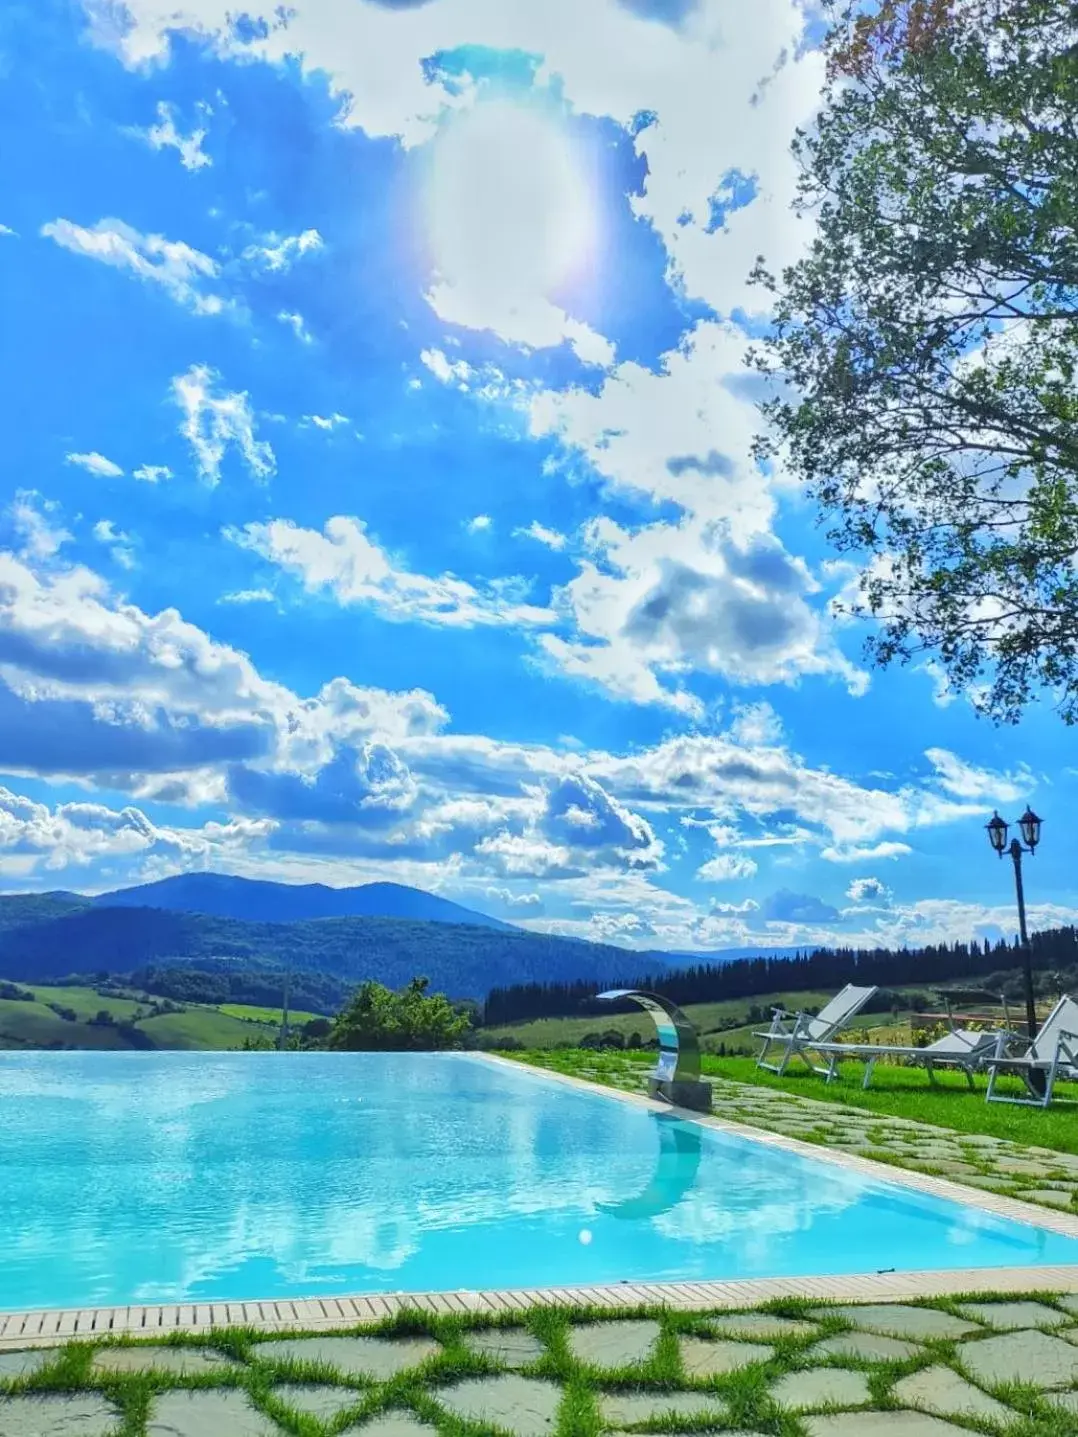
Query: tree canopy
[379, 1019]
[925, 345]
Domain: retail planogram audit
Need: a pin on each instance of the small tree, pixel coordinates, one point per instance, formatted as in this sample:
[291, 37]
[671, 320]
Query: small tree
[378, 1019]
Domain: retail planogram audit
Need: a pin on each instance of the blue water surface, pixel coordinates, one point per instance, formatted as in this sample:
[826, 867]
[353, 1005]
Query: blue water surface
[187, 1177]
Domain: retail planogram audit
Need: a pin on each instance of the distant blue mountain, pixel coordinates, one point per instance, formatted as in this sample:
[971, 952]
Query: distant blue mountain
[254, 900]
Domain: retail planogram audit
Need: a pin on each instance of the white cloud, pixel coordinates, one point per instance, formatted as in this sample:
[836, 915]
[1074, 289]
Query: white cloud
[726, 866]
[152, 473]
[449, 371]
[653, 433]
[327, 422]
[91, 684]
[95, 463]
[657, 605]
[356, 570]
[531, 902]
[7, 231]
[248, 596]
[166, 135]
[552, 538]
[722, 83]
[479, 524]
[755, 724]
[297, 324]
[117, 542]
[75, 835]
[869, 890]
[215, 421]
[182, 272]
[966, 780]
[32, 518]
[278, 253]
[576, 827]
[712, 591]
[856, 853]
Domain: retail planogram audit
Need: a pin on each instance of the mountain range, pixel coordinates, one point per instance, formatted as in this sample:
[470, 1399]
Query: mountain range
[384, 931]
[220, 895]
[55, 935]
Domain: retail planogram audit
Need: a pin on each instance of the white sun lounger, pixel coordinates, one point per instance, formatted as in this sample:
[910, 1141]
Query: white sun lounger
[1053, 1053]
[797, 1033]
[965, 1048]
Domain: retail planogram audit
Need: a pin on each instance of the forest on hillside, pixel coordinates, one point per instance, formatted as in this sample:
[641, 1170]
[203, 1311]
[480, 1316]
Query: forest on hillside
[826, 969]
[48, 941]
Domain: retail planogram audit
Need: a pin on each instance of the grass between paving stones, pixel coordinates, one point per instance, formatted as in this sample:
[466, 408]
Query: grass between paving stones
[744, 1393]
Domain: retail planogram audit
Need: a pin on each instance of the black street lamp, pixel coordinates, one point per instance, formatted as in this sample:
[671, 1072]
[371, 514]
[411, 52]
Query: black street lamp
[1030, 826]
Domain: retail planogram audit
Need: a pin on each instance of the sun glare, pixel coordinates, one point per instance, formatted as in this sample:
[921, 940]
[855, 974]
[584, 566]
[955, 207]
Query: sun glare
[510, 215]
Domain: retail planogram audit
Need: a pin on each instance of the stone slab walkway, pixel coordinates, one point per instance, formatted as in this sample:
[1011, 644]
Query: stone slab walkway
[985, 1363]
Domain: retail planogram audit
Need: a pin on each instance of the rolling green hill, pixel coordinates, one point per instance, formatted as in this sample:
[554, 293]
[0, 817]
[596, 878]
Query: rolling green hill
[76, 1017]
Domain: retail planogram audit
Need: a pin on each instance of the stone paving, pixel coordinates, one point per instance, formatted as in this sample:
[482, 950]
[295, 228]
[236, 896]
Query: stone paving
[1004, 1367]
[1031, 1174]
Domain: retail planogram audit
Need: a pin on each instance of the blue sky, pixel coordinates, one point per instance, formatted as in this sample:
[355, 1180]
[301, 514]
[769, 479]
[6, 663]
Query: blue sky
[378, 499]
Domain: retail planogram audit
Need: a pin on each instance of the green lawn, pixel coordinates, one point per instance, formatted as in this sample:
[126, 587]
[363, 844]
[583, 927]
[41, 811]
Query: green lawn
[907, 1093]
[895, 1092]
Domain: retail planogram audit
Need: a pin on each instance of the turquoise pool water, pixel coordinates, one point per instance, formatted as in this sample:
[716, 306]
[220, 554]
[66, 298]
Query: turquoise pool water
[179, 1177]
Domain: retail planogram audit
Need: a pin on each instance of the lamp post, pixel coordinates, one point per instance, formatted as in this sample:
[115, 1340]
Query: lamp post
[1030, 826]
[282, 1036]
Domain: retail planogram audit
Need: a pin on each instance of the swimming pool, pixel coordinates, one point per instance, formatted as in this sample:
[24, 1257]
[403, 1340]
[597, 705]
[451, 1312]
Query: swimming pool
[130, 1178]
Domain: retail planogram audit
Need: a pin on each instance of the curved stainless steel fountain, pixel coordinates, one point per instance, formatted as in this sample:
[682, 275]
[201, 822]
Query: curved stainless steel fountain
[677, 1073]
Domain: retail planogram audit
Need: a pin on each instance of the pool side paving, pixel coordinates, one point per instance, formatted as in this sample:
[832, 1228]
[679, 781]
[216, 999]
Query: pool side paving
[797, 1369]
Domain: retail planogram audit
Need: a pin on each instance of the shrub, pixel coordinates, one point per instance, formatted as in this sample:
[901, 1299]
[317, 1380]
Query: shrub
[377, 1019]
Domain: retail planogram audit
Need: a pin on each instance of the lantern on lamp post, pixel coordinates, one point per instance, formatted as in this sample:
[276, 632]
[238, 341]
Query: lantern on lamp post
[1030, 827]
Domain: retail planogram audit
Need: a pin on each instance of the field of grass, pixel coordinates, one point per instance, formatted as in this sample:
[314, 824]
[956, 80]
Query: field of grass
[197, 1026]
[32, 1025]
[201, 1028]
[708, 1018]
[895, 1092]
[253, 1014]
[86, 1002]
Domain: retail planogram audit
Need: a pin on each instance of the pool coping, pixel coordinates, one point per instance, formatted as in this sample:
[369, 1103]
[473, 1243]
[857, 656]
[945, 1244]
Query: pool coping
[49, 1327]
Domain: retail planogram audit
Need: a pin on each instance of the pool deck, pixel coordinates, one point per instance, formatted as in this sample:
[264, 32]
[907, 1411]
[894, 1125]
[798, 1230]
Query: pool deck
[48, 1327]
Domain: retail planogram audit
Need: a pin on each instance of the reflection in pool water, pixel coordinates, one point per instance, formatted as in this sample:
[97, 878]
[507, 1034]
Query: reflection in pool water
[680, 1148]
[155, 1177]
